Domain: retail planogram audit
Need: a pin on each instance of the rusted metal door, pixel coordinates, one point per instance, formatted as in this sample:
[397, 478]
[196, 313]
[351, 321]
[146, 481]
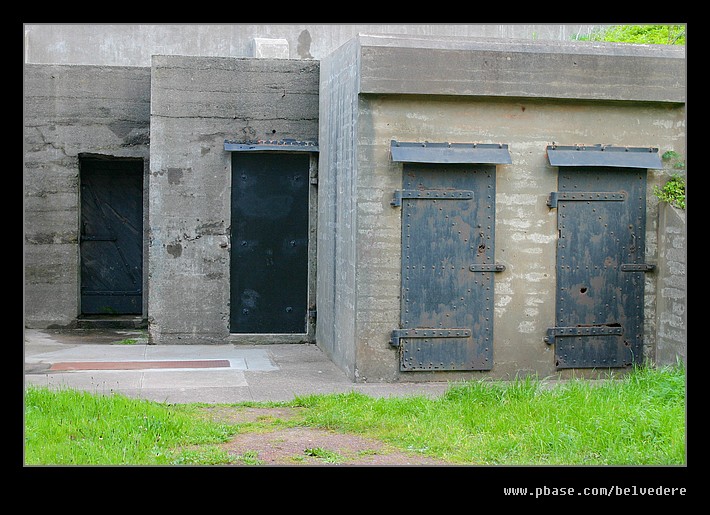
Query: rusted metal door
[448, 235]
[269, 242]
[111, 236]
[601, 216]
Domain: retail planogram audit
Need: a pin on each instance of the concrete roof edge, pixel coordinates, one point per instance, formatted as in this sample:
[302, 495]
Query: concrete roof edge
[522, 45]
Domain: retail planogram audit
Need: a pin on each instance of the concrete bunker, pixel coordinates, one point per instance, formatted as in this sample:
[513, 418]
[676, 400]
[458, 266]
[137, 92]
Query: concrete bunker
[353, 125]
[527, 98]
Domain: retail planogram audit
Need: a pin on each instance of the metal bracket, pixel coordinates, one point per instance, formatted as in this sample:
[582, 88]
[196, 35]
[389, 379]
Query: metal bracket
[595, 330]
[427, 333]
[430, 194]
[555, 196]
[637, 267]
[487, 268]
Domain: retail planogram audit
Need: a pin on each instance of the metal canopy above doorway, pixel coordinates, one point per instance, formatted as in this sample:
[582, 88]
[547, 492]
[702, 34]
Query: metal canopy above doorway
[426, 152]
[604, 155]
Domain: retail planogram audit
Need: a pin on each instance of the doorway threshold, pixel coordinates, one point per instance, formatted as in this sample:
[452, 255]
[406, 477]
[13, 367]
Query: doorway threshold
[266, 338]
[111, 322]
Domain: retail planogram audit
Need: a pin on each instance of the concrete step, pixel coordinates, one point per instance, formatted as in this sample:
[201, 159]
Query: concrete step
[111, 322]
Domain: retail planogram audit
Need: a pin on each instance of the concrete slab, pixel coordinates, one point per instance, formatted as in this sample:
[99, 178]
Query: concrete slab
[256, 373]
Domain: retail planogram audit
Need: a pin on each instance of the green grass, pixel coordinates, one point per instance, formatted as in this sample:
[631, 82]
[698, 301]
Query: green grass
[127, 341]
[323, 454]
[667, 34]
[68, 427]
[638, 419]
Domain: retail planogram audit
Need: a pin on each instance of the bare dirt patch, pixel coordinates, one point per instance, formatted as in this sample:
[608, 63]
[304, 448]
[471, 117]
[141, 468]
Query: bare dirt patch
[306, 446]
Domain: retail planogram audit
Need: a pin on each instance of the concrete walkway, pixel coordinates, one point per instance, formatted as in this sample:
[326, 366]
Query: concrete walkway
[121, 361]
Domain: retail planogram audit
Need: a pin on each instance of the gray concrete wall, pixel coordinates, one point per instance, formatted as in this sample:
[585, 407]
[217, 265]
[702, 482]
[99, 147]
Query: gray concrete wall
[337, 200]
[526, 229]
[511, 68]
[134, 44]
[672, 344]
[197, 103]
[68, 111]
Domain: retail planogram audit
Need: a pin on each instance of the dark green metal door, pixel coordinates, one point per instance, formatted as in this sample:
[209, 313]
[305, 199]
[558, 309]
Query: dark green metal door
[111, 236]
[448, 234]
[269, 242]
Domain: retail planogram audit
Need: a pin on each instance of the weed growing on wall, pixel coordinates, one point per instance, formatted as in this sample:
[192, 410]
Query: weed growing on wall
[673, 191]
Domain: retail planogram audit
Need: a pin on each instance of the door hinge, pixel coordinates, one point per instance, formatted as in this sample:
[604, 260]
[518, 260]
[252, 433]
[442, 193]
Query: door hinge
[556, 196]
[430, 194]
[427, 333]
[487, 268]
[596, 330]
[637, 267]
[312, 314]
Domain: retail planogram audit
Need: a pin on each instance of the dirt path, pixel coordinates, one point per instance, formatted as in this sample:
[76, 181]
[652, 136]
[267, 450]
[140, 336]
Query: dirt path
[306, 446]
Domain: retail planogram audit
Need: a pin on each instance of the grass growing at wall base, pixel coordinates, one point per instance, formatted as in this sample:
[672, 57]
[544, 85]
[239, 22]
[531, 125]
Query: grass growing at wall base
[639, 419]
[636, 420]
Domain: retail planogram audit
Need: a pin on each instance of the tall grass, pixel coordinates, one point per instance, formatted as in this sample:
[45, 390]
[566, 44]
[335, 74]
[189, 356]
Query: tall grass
[638, 419]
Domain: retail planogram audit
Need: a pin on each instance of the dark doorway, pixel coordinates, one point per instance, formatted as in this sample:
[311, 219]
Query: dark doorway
[269, 242]
[111, 236]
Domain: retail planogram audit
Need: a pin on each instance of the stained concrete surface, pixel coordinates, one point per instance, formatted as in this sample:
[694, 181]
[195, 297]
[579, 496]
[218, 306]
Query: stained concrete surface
[260, 373]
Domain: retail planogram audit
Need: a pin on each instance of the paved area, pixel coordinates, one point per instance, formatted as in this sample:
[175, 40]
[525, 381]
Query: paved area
[121, 361]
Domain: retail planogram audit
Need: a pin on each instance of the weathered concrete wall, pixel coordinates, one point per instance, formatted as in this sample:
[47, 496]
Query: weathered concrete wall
[197, 103]
[499, 68]
[526, 229]
[337, 201]
[134, 44]
[70, 110]
[672, 297]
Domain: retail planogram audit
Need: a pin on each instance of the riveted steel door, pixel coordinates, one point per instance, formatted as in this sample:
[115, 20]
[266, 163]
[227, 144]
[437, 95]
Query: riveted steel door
[448, 226]
[600, 267]
[111, 236]
[269, 242]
